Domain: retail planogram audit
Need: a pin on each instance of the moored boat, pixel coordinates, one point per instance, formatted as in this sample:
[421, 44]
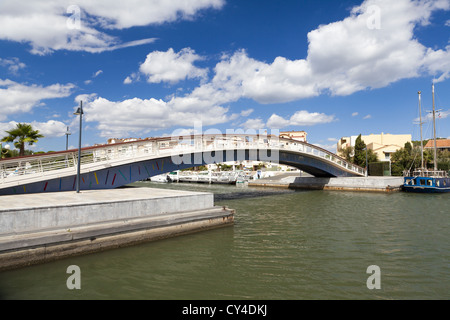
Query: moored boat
[427, 181]
[424, 180]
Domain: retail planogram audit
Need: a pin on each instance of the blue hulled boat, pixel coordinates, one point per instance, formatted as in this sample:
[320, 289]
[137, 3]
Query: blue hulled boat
[424, 180]
[427, 181]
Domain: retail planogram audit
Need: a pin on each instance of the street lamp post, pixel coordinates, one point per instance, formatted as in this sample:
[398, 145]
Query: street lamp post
[68, 133]
[79, 112]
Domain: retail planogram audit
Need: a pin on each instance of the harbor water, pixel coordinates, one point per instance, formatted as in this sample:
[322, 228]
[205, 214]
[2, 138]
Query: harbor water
[285, 244]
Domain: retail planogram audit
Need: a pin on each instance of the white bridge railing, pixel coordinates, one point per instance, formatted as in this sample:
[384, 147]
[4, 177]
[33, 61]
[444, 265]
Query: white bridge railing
[65, 162]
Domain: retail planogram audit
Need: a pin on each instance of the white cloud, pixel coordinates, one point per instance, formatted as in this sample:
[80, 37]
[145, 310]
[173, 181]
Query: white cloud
[300, 119]
[96, 74]
[343, 57]
[13, 64]
[354, 114]
[277, 122]
[127, 80]
[171, 67]
[447, 23]
[132, 78]
[49, 25]
[49, 129]
[438, 63]
[246, 113]
[367, 117]
[139, 116]
[347, 56]
[255, 124]
[19, 98]
[440, 115]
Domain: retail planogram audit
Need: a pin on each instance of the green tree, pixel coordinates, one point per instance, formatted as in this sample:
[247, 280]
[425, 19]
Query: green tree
[406, 158]
[22, 134]
[347, 153]
[360, 153]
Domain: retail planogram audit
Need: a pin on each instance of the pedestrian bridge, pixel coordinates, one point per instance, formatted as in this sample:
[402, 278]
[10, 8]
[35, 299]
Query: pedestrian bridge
[113, 165]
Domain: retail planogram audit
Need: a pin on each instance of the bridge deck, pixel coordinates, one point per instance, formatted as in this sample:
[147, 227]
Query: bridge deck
[113, 165]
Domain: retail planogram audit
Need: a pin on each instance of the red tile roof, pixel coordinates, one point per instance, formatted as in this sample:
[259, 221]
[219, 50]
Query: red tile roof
[440, 143]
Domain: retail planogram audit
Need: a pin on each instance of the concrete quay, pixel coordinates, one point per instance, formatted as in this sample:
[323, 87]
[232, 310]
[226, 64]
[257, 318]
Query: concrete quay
[307, 182]
[41, 227]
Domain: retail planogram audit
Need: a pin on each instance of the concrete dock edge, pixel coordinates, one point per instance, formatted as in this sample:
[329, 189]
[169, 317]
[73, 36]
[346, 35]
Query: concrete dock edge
[364, 184]
[20, 248]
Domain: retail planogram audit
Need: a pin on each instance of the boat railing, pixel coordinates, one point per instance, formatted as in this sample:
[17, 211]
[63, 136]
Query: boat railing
[426, 173]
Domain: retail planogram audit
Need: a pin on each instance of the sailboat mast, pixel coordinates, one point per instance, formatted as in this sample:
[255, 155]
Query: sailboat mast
[421, 139]
[434, 133]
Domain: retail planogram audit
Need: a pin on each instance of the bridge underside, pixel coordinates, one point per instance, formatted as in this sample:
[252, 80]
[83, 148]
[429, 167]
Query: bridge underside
[116, 176]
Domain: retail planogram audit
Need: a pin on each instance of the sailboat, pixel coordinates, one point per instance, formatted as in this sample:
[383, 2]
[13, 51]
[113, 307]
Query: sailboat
[424, 180]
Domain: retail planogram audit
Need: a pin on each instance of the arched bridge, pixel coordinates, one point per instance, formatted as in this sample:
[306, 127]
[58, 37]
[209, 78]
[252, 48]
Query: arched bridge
[114, 165]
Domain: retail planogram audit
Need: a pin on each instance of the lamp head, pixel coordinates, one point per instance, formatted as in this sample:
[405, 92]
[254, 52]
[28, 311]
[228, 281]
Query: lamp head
[79, 111]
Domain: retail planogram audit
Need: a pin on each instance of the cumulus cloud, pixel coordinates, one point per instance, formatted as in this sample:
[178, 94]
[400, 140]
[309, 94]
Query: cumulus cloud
[50, 129]
[171, 67]
[344, 57]
[137, 116]
[301, 118]
[358, 53]
[18, 98]
[255, 124]
[49, 25]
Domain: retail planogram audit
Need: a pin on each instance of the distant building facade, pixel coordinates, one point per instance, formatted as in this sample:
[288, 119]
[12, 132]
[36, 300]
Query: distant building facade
[116, 140]
[383, 145]
[294, 135]
[441, 144]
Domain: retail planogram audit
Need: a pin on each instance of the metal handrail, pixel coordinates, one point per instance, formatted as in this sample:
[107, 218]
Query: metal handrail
[155, 147]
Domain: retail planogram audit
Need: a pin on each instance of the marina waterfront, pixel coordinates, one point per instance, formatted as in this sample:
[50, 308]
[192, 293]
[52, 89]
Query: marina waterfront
[285, 244]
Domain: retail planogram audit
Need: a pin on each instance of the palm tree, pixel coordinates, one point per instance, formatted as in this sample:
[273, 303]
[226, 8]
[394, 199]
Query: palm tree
[21, 134]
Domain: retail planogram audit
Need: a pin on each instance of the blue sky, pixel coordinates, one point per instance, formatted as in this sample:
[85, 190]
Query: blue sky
[154, 68]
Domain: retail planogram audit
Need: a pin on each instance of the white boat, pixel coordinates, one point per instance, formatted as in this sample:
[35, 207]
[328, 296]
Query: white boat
[159, 178]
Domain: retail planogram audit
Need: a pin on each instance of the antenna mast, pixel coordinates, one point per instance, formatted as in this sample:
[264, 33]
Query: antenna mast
[434, 133]
[421, 139]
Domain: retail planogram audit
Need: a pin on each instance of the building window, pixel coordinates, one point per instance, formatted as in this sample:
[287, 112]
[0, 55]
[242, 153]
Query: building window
[387, 156]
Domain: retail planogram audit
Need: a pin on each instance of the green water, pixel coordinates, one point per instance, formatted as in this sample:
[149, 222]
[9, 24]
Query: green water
[284, 245]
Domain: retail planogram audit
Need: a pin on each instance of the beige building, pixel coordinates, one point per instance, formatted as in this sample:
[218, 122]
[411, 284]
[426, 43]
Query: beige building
[383, 144]
[294, 135]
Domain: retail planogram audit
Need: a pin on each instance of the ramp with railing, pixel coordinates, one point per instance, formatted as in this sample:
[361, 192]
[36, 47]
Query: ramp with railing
[113, 165]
